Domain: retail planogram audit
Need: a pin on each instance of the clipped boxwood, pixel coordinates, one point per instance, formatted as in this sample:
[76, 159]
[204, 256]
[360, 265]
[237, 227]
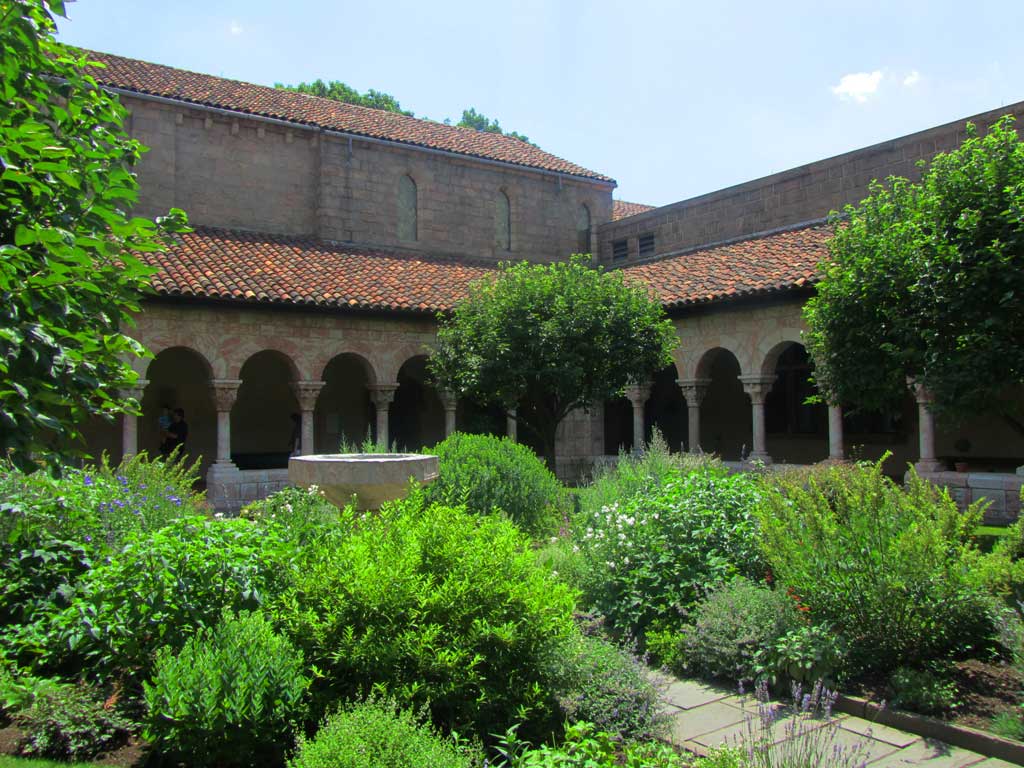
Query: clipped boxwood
[489, 474]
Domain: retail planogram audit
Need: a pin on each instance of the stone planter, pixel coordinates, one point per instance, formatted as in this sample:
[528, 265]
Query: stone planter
[372, 478]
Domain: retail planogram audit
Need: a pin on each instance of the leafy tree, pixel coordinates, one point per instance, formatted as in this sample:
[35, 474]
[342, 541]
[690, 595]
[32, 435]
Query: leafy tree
[339, 91]
[69, 276]
[926, 280]
[557, 336]
[480, 122]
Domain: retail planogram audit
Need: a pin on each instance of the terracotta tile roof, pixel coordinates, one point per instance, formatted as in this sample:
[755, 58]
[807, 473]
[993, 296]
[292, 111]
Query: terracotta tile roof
[196, 88]
[621, 209]
[767, 263]
[258, 268]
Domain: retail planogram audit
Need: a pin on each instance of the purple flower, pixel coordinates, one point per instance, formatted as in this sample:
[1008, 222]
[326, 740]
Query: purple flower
[88, 538]
[88, 480]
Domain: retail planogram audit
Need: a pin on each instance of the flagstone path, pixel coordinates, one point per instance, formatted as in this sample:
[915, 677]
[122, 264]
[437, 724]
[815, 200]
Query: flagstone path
[705, 716]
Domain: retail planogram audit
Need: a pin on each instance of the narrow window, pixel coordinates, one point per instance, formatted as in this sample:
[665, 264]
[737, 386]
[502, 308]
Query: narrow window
[502, 222]
[646, 245]
[407, 203]
[583, 229]
[620, 249]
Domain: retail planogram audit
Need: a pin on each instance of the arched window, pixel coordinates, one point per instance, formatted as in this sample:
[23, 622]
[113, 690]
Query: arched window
[502, 222]
[583, 229]
[407, 203]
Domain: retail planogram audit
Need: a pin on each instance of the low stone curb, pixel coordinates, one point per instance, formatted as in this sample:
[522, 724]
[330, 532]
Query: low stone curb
[987, 744]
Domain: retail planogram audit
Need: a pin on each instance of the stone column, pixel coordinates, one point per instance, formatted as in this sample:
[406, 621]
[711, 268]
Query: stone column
[382, 396]
[306, 392]
[694, 391]
[511, 425]
[836, 447]
[224, 479]
[225, 392]
[637, 395]
[130, 422]
[450, 402]
[757, 388]
[925, 429]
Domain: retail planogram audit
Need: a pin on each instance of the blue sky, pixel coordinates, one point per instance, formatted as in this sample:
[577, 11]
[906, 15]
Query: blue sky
[672, 99]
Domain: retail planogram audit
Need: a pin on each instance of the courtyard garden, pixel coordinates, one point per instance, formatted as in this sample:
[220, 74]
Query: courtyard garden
[494, 615]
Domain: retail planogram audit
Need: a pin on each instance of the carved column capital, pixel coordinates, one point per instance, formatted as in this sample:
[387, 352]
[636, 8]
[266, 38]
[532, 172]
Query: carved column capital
[921, 394]
[694, 390]
[225, 392]
[449, 400]
[637, 394]
[306, 392]
[135, 391]
[383, 394]
[757, 387]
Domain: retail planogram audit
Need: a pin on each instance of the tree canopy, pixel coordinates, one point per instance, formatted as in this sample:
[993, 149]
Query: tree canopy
[69, 276]
[546, 339]
[926, 280]
[339, 91]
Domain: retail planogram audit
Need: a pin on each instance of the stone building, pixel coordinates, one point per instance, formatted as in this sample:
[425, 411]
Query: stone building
[328, 236]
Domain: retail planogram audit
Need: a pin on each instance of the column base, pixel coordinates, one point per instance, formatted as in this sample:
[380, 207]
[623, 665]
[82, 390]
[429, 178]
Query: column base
[223, 481]
[928, 466]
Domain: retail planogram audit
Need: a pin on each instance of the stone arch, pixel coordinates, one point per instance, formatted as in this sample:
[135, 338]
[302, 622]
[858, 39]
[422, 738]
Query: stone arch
[796, 431]
[702, 366]
[262, 423]
[179, 377]
[666, 410]
[725, 424]
[771, 347]
[416, 416]
[344, 411]
[245, 351]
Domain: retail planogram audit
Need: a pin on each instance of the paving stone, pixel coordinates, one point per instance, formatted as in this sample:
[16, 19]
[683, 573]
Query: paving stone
[692, 723]
[881, 732]
[930, 753]
[687, 694]
[994, 762]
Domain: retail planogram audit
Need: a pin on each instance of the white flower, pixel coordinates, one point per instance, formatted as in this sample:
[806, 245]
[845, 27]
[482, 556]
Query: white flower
[219, 515]
[554, 539]
[575, 548]
[288, 507]
[625, 561]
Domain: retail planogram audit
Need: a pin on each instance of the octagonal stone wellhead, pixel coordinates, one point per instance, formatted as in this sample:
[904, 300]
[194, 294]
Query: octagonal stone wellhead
[372, 477]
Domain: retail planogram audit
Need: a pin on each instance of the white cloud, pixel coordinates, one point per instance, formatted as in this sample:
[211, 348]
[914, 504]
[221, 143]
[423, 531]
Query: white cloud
[912, 79]
[858, 86]
[235, 28]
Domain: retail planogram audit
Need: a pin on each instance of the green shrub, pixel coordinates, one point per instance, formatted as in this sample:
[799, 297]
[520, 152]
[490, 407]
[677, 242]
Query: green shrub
[97, 506]
[563, 558]
[642, 472]
[302, 516]
[1009, 725]
[585, 746]
[651, 556]
[39, 581]
[434, 605]
[887, 567]
[378, 733]
[488, 474]
[806, 654]
[732, 627]
[164, 586]
[230, 696]
[928, 691]
[600, 683]
[68, 721]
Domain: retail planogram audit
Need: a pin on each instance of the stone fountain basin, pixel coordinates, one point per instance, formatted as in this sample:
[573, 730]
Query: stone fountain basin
[372, 477]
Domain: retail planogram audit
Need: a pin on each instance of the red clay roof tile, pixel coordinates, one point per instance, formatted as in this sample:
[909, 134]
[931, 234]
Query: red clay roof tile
[621, 209]
[248, 98]
[768, 263]
[213, 263]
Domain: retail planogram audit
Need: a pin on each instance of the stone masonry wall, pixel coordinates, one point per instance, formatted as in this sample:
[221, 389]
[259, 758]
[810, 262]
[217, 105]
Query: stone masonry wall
[248, 174]
[794, 196]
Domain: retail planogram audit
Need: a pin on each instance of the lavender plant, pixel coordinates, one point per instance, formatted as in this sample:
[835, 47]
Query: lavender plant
[801, 735]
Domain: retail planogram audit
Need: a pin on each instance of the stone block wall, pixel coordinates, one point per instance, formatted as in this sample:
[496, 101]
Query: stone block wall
[248, 174]
[794, 196]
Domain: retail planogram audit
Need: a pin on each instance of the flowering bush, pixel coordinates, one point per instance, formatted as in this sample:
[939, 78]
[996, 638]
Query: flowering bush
[889, 567]
[301, 516]
[652, 556]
